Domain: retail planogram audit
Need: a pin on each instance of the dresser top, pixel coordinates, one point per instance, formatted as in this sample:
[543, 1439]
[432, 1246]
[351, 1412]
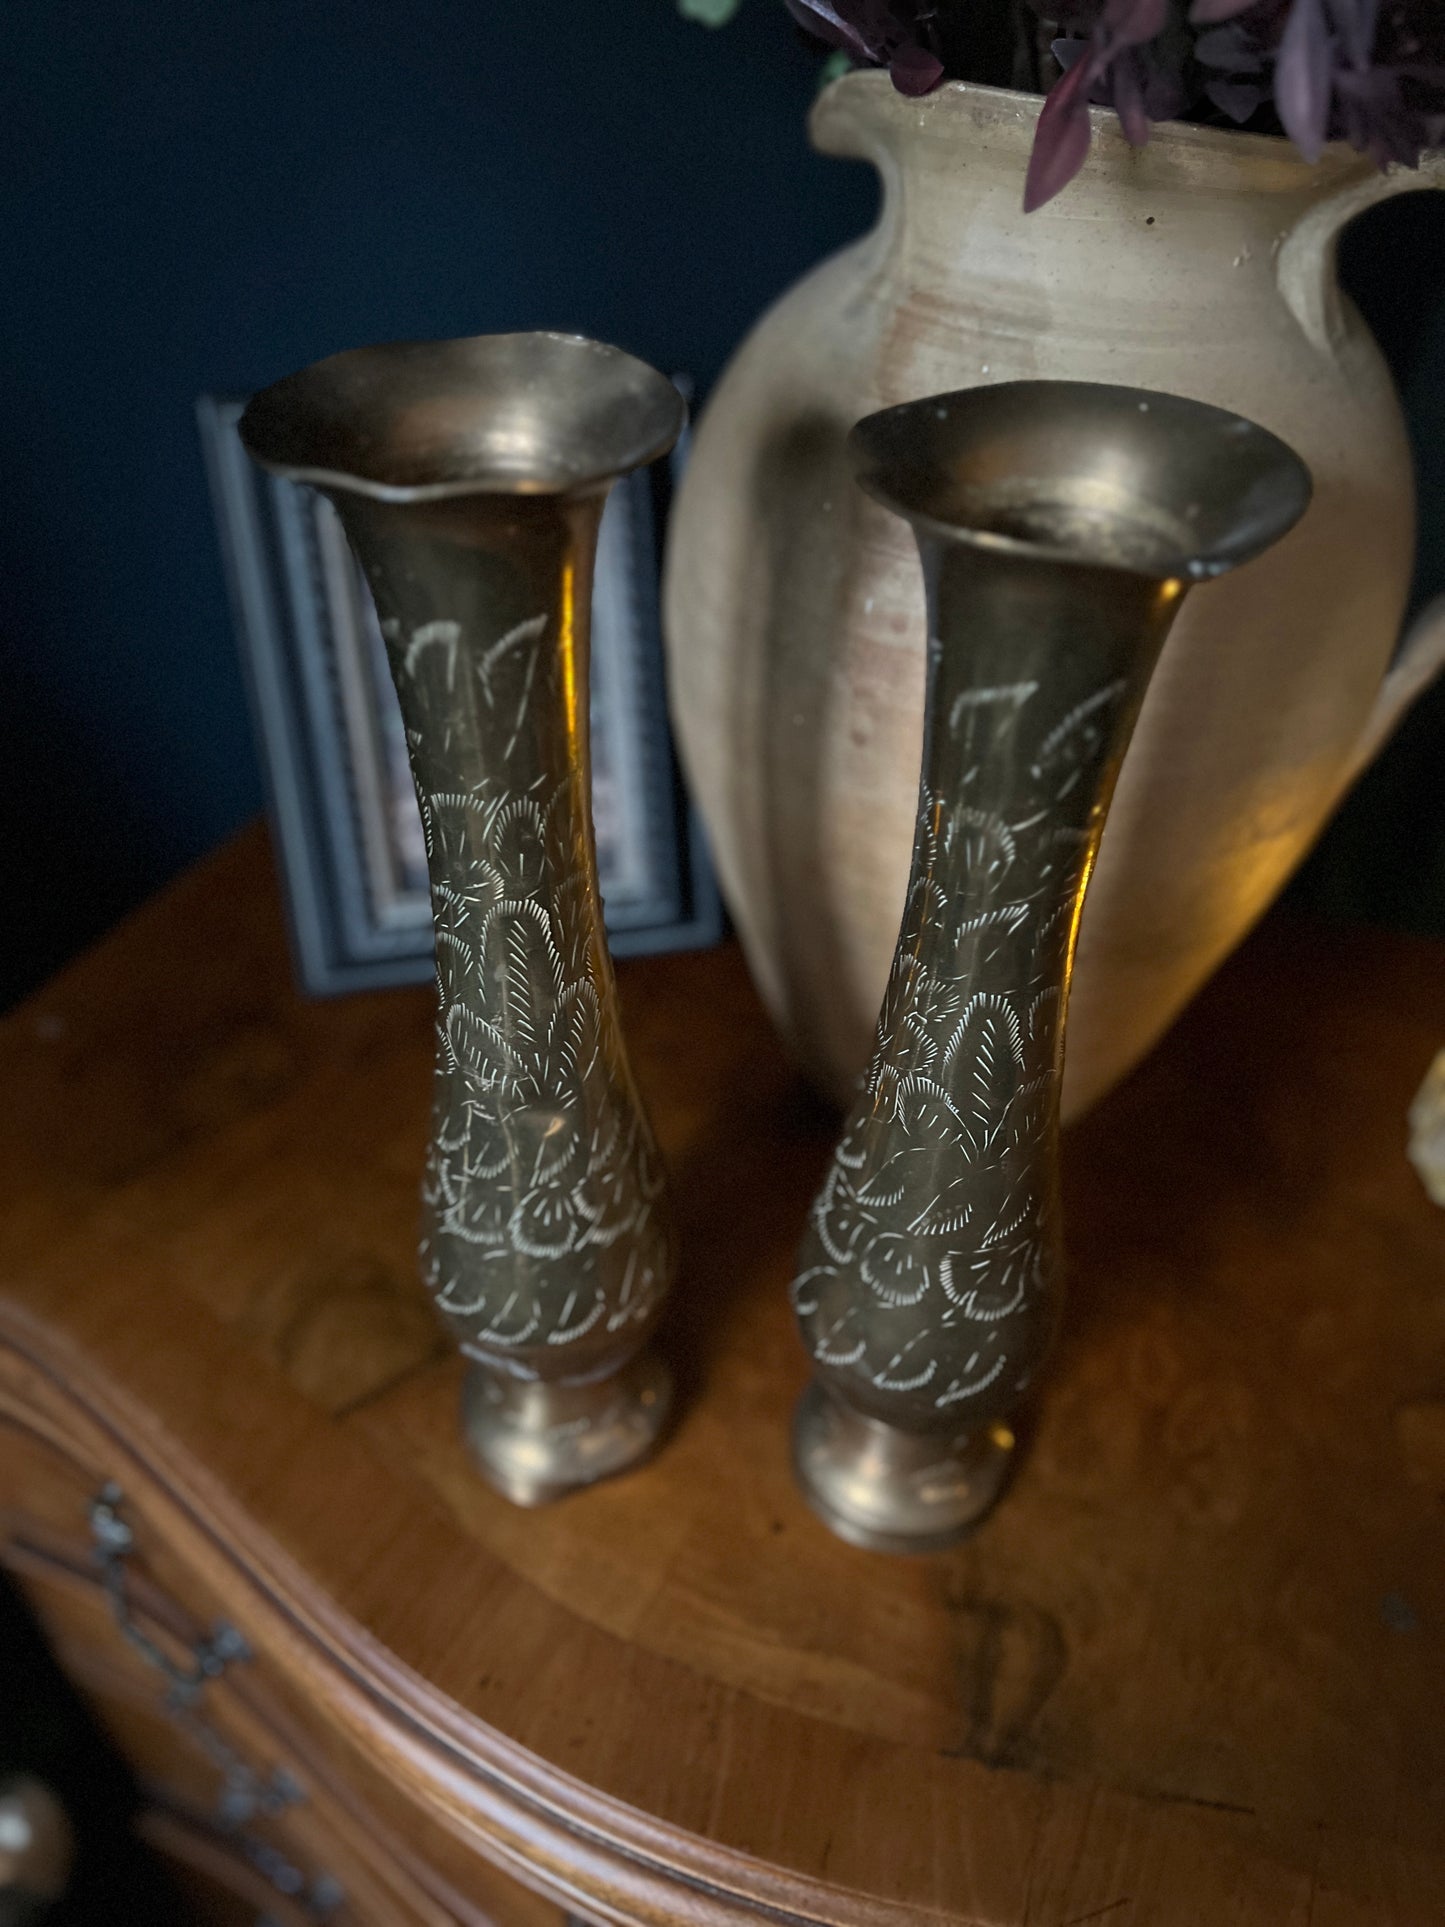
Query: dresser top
[1192, 1670]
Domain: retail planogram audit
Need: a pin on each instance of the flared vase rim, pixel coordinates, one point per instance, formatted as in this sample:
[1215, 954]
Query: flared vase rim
[1018, 111]
[263, 424]
[1213, 559]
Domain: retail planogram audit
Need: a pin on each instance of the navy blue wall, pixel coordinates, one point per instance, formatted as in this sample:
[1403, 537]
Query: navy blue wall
[203, 195]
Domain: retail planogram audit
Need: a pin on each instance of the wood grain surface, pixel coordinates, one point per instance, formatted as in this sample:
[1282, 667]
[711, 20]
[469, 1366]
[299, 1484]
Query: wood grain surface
[1192, 1671]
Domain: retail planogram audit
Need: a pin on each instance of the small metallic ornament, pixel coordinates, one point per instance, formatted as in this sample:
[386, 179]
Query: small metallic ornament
[37, 1851]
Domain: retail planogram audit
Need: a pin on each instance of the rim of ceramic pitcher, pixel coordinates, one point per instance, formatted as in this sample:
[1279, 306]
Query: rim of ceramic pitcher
[279, 419]
[1018, 110]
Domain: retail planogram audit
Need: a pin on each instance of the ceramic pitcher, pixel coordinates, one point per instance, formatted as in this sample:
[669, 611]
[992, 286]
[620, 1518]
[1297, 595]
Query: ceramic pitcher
[1202, 265]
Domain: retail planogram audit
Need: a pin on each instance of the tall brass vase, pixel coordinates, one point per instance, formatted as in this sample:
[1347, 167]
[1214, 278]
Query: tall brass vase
[470, 477]
[1060, 525]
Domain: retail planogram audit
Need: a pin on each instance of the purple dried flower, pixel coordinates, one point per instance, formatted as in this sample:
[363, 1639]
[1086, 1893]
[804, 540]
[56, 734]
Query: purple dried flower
[1238, 58]
[1371, 72]
[915, 70]
[1123, 62]
[896, 34]
[1303, 82]
[1061, 139]
[1342, 71]
[824, 21]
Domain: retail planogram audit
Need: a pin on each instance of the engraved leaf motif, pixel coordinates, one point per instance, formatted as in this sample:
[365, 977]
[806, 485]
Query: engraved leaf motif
[517, 848]
[465, 1289]
[480, 1050]
[989, 1286]
[907, 1170]
[544, 1223]
[432, 653]
[581, 1310]
[951, 1209]
[803, 1291]
[926, 1110]
[471, 1212]
[496, 658]
[521, 974]
[895, 1268]
[835, 1337]
[569, 1053]
[1071, 748]
[516, 1320]
[609, 1203]
[838, 1218]
[978, 1374]
[984, 1056]
[911, 1367]
[990, 715]
[985, 940]
[983, 843]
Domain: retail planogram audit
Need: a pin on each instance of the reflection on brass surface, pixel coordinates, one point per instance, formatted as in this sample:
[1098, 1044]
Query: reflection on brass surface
[1427, 1130]
[1060, 525]
[470, 477]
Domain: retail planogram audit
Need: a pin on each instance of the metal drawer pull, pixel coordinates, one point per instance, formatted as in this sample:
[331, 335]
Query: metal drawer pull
[245, 1795]
[113, 1540]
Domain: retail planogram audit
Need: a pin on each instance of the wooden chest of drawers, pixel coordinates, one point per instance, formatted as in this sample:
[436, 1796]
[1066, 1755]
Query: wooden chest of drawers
[1192, 1671]
[250, 1802]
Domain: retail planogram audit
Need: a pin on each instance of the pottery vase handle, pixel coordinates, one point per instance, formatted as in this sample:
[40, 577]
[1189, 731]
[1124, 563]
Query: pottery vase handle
[1308, 283]
[1420, 658]
[1306, 265]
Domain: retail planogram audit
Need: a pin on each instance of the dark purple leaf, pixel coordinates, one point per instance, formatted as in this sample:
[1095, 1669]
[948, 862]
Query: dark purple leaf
[1356, 22]
[1240, 99]
[1061, 138]
[1377, 120]
[1161, 81]
[1209, 13]
[1129, 104]
[1129, 23]
[1369, 71]
[915, 70]
[1229, 49]
[1066, 52]
[821, 19]
[1303, 78]
[897, 34]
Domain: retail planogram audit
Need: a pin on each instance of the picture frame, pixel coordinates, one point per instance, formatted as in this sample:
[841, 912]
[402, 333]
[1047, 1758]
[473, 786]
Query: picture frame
[333, 752]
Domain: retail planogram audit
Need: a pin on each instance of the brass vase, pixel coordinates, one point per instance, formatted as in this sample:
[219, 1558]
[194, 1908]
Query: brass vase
[1060, 527]
[470, 477]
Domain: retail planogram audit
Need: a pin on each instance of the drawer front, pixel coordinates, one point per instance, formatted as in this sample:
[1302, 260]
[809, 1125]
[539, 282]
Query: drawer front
[233, 1763]
[216, 1880]
[215, 1759]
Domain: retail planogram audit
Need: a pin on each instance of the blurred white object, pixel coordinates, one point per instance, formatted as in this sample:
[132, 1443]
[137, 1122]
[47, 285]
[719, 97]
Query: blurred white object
[36, 1850]
[1427, 1130]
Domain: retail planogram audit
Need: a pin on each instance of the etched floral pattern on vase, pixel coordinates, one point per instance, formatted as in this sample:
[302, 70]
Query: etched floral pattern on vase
[543, 1194]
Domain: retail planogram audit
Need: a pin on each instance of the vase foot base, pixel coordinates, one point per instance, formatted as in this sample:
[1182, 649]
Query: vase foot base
[536, 1441]
[890, 1490]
